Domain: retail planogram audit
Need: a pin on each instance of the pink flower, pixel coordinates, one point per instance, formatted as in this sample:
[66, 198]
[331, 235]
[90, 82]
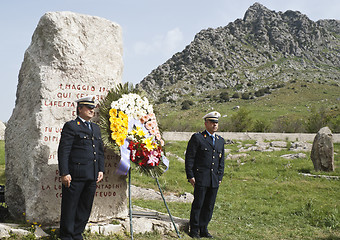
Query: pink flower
[149, 125]
[144, 119]
[152, 116]
[162, 142]
[158, 137]
[153, 159]
[153, 123]
[153, 132]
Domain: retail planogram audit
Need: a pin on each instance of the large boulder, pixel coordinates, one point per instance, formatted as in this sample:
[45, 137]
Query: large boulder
[322, 153]
[71, 55]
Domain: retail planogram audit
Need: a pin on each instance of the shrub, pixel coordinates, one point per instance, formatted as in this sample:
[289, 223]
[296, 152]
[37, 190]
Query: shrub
[240, 121]
[245, 95]
[259, 93]
[261, 126]
[224, 96]
[316, 120]
[236, 95]
[288, 124]
[186, 104]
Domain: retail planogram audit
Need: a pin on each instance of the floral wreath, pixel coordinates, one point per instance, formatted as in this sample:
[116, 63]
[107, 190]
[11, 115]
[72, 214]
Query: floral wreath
[129, 127]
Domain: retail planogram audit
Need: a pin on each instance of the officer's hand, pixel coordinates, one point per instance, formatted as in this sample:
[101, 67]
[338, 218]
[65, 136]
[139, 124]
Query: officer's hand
[100, 176]
[66, 180]
[192, 181]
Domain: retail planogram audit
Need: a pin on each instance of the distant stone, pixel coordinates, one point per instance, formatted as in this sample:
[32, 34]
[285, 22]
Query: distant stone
[279, 144]
[294, 156]
[322, 153]
[2, 131]
[71, 55]
[300, 146]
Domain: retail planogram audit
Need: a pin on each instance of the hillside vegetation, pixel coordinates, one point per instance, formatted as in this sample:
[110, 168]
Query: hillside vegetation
[295, 107]
[282, 67]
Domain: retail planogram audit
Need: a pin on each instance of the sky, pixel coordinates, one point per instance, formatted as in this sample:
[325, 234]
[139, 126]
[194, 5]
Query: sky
[153, 30]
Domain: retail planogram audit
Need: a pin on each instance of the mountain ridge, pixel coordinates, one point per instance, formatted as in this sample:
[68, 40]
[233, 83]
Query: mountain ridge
[264, 49]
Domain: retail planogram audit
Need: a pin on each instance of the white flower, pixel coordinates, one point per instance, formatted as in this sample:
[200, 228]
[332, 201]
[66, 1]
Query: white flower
[114, 104]
[150, 109]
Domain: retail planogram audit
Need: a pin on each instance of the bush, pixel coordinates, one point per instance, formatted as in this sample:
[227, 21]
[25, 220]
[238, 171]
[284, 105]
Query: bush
[224, 96]
[236, 95]
[186, 104]
[259, 93]
[240, 121]
[261, 126]
[245, 96]
[288, 124]
[317, 120]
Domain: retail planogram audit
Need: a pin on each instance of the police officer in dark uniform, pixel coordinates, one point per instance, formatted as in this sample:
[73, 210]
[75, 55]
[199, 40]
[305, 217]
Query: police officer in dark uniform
[204, 166]
[81, 166]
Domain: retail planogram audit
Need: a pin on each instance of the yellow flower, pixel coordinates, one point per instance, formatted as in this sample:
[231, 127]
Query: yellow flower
[140, 132]
[120, 140]
[112, 119]
[133, 132]
[125, 123]
[118, 121]
[53, 230]
[114, 135]
[113, 112]
[113, 127]
[125, 132]
[122, 115]
[148, 143]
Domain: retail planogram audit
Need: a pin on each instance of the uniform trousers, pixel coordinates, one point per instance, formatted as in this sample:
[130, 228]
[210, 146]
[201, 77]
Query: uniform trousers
[76, 205]
[202, 208]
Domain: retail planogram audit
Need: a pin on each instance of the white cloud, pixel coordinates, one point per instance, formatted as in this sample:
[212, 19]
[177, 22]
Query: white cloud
[160, 44]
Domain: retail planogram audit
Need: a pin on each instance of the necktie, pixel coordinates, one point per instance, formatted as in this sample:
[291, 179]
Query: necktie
[213, 138]
[88, 124]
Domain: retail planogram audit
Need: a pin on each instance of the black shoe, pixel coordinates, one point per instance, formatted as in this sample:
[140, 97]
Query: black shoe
[194, 235]
[206, 235]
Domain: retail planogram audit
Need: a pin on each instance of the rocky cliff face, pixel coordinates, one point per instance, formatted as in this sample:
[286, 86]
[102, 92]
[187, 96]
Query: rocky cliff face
[265, 48]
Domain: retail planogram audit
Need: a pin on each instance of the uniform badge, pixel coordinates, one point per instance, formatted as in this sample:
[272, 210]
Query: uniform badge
[78, 123]
[220, 155]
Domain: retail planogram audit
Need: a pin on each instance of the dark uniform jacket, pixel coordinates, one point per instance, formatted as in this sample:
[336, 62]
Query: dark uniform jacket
[80, 152]
[204, 161]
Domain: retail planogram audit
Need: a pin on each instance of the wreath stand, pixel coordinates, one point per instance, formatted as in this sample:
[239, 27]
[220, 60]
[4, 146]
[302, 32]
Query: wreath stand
[166, 205]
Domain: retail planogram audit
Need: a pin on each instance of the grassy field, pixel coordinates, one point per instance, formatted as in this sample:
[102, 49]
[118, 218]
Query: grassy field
[262, 196]
[295, 100]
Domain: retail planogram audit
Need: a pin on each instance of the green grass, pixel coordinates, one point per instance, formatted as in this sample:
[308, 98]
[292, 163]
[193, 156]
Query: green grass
[292, 100]
[262, 196]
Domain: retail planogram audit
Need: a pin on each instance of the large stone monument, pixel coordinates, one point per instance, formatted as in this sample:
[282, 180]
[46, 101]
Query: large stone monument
[70, 56]
[322, 153]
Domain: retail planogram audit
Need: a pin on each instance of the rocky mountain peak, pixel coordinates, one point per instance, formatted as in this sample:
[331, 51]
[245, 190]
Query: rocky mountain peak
[264, 48]
[256, 12]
